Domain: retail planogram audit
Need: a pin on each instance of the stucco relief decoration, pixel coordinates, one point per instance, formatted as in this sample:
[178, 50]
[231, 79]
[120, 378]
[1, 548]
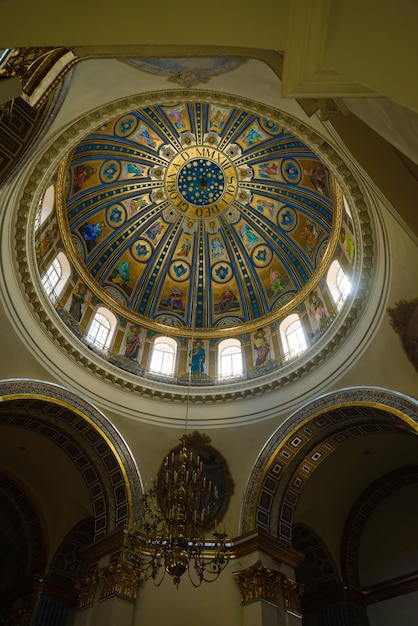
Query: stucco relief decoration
[404, 320]
[187, 72]
[258, 582]
[120, 579]
[86, 590]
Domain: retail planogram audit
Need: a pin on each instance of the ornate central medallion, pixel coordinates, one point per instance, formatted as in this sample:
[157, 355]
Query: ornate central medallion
[201, 182]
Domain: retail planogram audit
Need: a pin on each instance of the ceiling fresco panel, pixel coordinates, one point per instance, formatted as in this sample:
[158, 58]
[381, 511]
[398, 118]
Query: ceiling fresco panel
[196, 202]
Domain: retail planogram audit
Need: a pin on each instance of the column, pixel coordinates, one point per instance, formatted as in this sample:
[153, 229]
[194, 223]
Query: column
[270, 596]
[108, 597]
[87, 588]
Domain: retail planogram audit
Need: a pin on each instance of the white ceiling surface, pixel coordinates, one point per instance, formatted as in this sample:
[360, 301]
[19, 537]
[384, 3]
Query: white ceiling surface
[395, 123]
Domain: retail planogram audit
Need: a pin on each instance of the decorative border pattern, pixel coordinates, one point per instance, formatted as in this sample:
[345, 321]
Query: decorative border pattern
[364, 507]
[305, 440]
[88, 438]
[30, 196]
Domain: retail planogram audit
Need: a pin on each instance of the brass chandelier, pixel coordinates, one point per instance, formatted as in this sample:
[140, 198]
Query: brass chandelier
[176, 510]
[181, 504]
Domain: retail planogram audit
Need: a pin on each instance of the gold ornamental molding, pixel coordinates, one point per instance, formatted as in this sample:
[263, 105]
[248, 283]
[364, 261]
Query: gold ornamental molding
[259, 582]
[119, 578]
[39, 70]
[30, 193]
[87, 590]
[292, 595]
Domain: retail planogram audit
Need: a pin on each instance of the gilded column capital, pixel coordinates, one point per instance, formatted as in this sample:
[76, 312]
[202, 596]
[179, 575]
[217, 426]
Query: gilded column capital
[119, 578]
[86, 588]
[258, 582]
[292, 595]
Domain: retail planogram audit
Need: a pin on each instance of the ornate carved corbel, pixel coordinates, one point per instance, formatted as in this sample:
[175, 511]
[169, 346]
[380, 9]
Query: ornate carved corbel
[119, 578]
[258, 582]
[292, 595]
[87, 589]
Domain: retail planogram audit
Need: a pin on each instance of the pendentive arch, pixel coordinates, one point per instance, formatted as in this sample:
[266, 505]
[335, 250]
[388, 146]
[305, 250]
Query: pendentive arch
[305, 439]
[87, 437]
[359, 515]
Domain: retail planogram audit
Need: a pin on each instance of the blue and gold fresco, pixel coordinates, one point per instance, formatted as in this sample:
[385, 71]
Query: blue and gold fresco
[197, 202]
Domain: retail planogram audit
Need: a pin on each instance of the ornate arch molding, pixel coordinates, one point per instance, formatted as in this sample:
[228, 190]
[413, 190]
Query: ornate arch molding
[29, 194]
[87, 437]
[305, 439]
[360, 513]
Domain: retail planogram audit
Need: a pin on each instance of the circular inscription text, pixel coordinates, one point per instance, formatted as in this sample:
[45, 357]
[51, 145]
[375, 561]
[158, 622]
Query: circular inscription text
[201, 182]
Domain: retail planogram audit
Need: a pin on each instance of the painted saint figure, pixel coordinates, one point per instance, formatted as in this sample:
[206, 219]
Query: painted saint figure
[154, 230]
[228, 298]
[277, 283]
[318, 178]
[261, 347]
[175, 299]
[347, 244]
[123, 275]
[132, 344]
[249, 237]
[316, 309]
[78, 299]
[185, 247]
[93, 231]
[217, 248]
[310, 234]
[197, 359]
[81, 174]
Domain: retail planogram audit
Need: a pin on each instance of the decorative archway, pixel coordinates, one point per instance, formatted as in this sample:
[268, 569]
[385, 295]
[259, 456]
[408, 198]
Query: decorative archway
[87, 437]
[306, 439]
[361, 511]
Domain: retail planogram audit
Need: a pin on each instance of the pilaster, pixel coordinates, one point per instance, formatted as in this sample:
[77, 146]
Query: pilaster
[270, 595]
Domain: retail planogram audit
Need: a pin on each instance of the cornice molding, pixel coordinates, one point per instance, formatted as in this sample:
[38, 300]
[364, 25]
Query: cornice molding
[29, 193]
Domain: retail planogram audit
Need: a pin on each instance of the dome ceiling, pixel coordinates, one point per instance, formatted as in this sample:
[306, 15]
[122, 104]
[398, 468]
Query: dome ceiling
[199, 203]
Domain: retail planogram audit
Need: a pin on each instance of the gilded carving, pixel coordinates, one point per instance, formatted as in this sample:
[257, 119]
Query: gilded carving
[119, 578]
[258, 582]
[87, 588]
[404, 321]
[292, 595]
[32, 64]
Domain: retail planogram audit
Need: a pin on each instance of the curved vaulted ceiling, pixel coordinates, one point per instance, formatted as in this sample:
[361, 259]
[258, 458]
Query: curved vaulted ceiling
[198, 214]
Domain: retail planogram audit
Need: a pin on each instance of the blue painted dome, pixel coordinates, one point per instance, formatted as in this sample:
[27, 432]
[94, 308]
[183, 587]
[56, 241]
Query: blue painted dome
[196, 202]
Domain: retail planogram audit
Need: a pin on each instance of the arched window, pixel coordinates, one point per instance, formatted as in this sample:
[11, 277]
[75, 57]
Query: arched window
[163, 357]
[48, 203]
[338, 284]
[101, 329]
[56, 276]
[230, 358]
[293, 337]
